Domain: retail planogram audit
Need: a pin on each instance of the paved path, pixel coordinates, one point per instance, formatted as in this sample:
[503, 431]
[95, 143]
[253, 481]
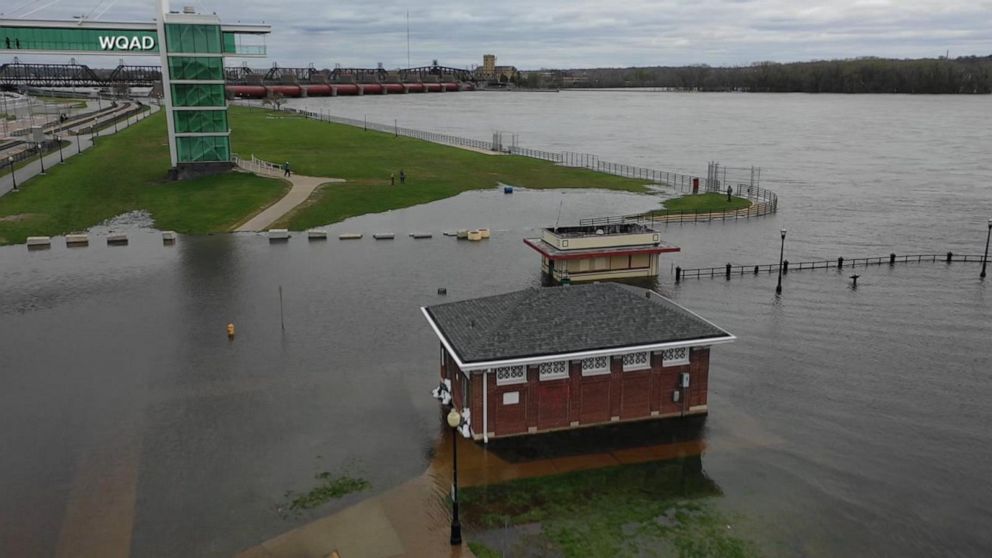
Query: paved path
[303, 186]
[410, 521]
[78, 143]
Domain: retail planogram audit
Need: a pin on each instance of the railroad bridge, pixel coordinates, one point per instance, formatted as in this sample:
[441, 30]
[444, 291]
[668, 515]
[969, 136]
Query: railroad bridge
[18, 74]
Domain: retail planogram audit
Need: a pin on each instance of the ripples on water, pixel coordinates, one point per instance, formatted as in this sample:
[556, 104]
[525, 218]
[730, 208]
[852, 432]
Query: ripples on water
[843, 422]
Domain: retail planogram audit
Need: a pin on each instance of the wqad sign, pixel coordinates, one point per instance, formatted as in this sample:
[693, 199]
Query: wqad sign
[123, 42]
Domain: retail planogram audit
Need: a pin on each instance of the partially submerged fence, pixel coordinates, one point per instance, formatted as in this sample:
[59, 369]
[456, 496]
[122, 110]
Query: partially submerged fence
[763, 201]
[730, 270]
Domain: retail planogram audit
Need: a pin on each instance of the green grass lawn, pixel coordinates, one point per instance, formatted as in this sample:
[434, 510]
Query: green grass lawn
[127, 172]
[366, 160]
[701, 203]
[75, 102]
[661, 508]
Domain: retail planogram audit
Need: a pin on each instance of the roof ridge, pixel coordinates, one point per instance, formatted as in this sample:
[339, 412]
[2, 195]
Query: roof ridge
[542, 320]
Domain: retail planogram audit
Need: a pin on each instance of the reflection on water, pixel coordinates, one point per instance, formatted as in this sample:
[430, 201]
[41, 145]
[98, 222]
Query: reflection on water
[554, 453]
[614, 438]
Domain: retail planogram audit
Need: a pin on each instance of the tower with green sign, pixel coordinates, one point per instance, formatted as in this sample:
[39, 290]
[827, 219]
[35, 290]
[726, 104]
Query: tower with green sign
[191, 47]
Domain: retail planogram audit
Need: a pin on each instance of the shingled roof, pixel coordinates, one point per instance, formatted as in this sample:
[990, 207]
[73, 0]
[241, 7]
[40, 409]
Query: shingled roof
[558, 320]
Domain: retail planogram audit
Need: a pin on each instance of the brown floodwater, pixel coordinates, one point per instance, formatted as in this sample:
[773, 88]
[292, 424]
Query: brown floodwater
[842, 422]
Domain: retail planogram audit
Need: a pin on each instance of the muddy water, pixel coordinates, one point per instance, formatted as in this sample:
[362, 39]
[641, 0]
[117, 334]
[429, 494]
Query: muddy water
[843, 422]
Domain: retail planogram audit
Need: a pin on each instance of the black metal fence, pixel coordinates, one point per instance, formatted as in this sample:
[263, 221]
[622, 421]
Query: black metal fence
[763, 200]
[730, 270]
[396, 130]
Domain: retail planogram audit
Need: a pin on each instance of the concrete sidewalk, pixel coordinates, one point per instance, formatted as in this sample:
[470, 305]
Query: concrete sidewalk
[78, 143]
[302, 187]
[410, 520]
[413, 519]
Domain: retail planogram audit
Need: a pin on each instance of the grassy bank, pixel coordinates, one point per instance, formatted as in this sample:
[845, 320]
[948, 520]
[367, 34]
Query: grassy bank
[74, 102]
[702, 203]
[127, 172]
[366, 159]
[651, 509]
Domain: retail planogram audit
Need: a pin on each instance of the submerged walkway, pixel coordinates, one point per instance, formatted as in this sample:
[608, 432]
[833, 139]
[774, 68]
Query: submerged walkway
[413, 519]
[410, 521]
[302, 188]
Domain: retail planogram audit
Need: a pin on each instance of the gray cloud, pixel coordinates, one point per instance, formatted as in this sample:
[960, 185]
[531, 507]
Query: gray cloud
[582, 33]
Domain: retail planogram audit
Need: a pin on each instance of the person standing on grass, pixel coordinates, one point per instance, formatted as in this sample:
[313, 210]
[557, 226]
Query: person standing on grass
[392, 179]
[285, 169]
[730, 190]
[402, 177]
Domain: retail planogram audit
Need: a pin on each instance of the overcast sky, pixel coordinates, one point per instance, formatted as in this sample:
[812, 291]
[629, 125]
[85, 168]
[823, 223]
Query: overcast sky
[532, 34]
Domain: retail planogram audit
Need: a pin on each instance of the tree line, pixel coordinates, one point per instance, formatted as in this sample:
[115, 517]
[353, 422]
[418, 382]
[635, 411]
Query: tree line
[962, 75]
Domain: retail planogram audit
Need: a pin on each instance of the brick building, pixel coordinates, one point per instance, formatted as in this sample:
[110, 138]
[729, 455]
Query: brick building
[553, 358]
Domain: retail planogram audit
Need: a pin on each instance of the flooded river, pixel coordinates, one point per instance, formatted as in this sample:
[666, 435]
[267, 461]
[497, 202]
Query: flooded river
[842, 422]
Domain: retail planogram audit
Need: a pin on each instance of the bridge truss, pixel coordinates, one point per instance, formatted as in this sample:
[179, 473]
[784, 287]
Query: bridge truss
[17, 74]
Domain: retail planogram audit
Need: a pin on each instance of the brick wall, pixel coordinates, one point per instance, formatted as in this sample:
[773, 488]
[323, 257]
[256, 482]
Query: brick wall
[583, 400]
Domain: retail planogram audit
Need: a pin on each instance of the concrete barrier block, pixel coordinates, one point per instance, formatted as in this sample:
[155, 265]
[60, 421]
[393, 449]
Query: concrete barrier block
[117, 239]
[419, 235]
[77, 240]
[278, 234]
[350, 236]
[317, 235]
[38, 242]
[383, 236]
[169, 237]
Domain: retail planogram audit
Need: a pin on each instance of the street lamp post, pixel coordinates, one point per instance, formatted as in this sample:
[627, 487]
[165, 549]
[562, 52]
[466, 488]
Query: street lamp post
[78, 148]
[454, 421]
[59, 140]
[13, 177]
[41, 156]
[985, 258]
[781, 253]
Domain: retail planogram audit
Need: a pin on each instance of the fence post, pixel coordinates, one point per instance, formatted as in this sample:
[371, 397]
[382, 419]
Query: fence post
[892, 259]
[785, 267]
[840, 263]
[728, 272]
[678, 274]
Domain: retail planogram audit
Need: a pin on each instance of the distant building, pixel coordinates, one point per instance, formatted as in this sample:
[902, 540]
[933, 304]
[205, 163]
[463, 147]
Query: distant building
[555, 358]
[597, 252]
[491, 72]
[489, 64]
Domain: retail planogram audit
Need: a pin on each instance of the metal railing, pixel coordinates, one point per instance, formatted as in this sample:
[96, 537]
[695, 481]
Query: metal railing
[434, 137]
[764, 201]
[730, 270]
[256, 165]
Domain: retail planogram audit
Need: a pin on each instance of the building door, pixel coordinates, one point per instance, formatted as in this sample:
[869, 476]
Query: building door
[511, 412]
[635, 395]
[552, 404]
[594, 398]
